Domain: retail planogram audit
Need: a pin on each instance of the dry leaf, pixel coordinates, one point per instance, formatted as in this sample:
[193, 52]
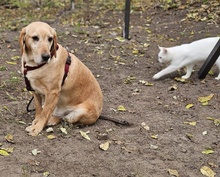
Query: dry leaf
[121, 108]
[146, 127]
[84, 135]
[63, 130]
[145, 83]
[154, 136]
[104, 146]
[204, 100]
[193, 123]
[189, 106]
[49, 130]
[179, 79]
[173, 172]
[51, 137]
[9, 138]
[46, 173]
[35, 152]
[208, 151]
[3, 152]
[207, 171]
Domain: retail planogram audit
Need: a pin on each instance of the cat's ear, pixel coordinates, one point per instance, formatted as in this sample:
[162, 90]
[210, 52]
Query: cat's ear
[160, 47]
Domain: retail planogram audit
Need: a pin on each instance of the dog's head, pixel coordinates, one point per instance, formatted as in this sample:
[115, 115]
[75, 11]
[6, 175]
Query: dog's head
[38, 42]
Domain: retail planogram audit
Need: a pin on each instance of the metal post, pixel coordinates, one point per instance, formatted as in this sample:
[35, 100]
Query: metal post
[127, 19]
[210, 61]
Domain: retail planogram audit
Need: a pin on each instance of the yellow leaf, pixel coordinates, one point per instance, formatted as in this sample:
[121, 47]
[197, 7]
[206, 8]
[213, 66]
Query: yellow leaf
[189, 106]
[208, 151]
[104, 146]
[120, 39]
[11, 63]
[206, 98]
[121, 108]
[193, 123]
[135, 51]
[50, 137]
[46, 173]
[207, 171]
[4, 153]
[179, 79]
[9, 138]
[154, 136]
[145, 83]
[63, 130]
[84, 135]
[9, 150]
[15, 58]
[173, 172]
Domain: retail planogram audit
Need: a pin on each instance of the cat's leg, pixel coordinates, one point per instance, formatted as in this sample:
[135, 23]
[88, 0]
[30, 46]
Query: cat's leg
[167, 70]
[218, 64]
[189, 69]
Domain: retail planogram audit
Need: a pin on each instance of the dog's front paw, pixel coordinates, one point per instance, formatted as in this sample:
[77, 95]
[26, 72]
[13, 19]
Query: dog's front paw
[34, 130]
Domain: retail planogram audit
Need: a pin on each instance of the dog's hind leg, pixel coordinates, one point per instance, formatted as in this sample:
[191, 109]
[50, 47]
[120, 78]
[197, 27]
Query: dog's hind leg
[81, 115]
[53, 120]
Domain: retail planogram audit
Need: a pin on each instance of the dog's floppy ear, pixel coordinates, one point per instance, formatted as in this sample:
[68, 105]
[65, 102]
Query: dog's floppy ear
[22, 39]
[54, 47]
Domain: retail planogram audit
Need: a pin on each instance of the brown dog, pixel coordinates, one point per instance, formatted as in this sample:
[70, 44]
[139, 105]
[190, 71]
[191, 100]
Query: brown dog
[63, 86]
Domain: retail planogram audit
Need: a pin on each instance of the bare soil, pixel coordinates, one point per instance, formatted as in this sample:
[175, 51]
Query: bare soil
[171, 143]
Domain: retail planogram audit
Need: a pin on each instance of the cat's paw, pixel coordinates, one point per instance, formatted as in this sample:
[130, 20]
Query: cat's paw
[156, 76]
[217, 78]
[185, 77]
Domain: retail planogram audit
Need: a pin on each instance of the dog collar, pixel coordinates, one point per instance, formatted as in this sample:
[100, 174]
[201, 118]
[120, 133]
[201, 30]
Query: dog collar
[30, 68]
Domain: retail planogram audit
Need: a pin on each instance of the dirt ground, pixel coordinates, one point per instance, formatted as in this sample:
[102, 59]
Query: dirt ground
[174, 141]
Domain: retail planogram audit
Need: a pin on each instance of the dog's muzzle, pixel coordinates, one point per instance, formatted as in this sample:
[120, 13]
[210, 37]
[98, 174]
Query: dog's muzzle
[45, 57]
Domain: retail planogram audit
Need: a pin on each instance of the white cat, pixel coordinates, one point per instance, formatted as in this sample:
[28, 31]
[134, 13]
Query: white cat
[186, 55]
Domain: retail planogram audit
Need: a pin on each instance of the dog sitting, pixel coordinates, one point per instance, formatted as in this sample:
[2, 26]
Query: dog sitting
[63, 87]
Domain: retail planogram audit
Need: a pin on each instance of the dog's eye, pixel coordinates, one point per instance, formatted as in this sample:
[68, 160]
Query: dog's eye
[35, 38]
[50, 39]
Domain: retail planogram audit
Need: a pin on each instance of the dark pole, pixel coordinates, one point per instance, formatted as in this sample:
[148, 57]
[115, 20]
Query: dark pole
[210, 61]
[127, 19]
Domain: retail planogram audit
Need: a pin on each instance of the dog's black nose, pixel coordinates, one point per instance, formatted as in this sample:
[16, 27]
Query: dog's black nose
[45, 56]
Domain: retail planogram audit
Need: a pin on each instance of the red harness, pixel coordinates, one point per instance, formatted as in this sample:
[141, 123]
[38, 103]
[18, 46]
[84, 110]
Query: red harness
[30, 68]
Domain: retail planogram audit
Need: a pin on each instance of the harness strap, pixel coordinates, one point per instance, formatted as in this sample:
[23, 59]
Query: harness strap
[30, 68]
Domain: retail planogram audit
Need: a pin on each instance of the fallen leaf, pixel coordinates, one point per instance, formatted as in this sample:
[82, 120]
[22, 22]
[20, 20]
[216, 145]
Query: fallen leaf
[63, 130]
[154, 136]
[49, 130]
[188, 106]
[35, 152]
[145, 126]
[145, 83]
[204, 100]
[153, 147]
[173, 172]
[208, 151]
[11, 63]
[9, 138]
[9, 149]
[207, 171]
[4, 153]
[46, 173]
[120, 39]
[105, 146]
[121, 108]
[84, 135]
[179, 79]
[51, 137]
[193, 123]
